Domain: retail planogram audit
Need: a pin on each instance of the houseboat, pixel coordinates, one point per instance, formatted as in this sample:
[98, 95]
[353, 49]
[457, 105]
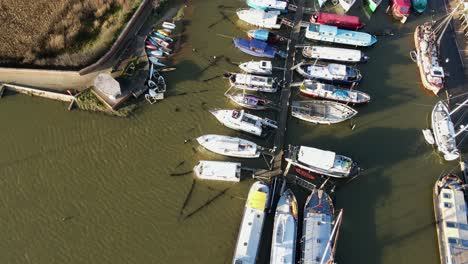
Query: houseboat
[260, 18]
[334, 54]
[341, 21]
[333, 34]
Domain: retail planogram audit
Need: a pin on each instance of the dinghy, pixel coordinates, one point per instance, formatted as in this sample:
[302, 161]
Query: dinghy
[331, 92]
[334, 54]
[253, 82]
[451, 218]
[250, 101]
[218, 170]
[319, 229]
[333, 34]
[168, 25]
[257, 48]
[283, 243]
[268, 5]
[341, 21]
[257, 67]
[229, 146]
[242, 121]
[264, 35]
[250, 233]
[321, 112]
[444, 131]
[332, 72]
[260, 18]
[322, 162]
[347, 4]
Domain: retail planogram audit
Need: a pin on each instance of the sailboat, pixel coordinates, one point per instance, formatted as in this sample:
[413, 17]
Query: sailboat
[250, 233]
[443, 130]
[283, 244]
[319, 229]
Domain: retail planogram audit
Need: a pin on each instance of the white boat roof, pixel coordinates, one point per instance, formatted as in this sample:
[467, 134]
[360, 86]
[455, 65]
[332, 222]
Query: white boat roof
[218, 169]
[323, 159]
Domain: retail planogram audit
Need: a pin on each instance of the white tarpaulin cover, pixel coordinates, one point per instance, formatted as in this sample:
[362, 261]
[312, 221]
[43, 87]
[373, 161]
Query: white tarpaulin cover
[316, 157]
[107, 85]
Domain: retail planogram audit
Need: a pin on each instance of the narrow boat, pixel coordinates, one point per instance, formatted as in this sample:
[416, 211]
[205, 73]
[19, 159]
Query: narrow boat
[256, 48]
[319, 229]
[419, 5]
[168, 25]
[427, 56]
[229, 146]
[321, 112]
[341, 21]
[451, 219]
[260, 18]
[332, 72]
[257, 67]
[400, 9]
[373, 4]
[264, 35]
[444, 131]
[283, 243]
[347, 4]
[333, 34]
[250, 101]
[242, 121]
[253, 82]
[321, 161]
[334, 54]
[268, 5]
[250, 233]
[218, 170]
[331, 92]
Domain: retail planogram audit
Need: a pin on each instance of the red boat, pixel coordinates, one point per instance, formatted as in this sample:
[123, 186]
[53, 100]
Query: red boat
[342, 21]
[401, 9]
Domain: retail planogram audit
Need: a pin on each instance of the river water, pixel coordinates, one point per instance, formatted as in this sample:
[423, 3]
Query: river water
[79, 187]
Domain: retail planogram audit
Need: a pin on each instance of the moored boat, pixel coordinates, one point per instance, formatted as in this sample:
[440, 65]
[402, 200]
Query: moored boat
[332, 72]
[260, 18]
[283, 244]
[257, 67]
[331, 92]
[333, 34]
[321, 112]
[322, 161]
[419, 5]
[444, 131]
[229, 146]
[218, 170]
[250, 101]
[451, 219]
[400, 9]
[334, 54]
[341, 21]
[373, 4]
[249, 238]
[253, 82]
[268, 5]
[347, 4]
[427, 56]
[264, 35]
[256, 48]
[242, 121]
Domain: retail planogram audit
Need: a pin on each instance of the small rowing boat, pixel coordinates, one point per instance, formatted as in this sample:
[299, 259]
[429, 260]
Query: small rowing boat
[245, 122]
[229, 146]
[218, 170]
[257, 67]
[321, 112]
[331, 92]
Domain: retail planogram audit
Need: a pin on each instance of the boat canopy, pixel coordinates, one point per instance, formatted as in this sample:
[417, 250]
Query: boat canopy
[258, 200]
[323, 159]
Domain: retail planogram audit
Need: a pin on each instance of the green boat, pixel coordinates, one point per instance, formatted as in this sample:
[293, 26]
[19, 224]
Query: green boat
[419, 5]
[373, 4]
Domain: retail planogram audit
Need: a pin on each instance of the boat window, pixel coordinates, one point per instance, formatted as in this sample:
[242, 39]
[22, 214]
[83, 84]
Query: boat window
[451, 224]
[447, 195]
[452, 240]
[447, 205]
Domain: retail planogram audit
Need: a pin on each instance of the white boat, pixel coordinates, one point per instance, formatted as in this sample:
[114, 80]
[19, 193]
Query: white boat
[242, 121]
[444, 131]
[332, 72]
[218, 170]
[319, 229]
[260, 18]
[347, 4]
[321, 112]
[168, 25]
[283, 244]
[257, 67]
[332, 92]
[321, 161]
[253, 82]
[334, 54]
[229, 146]
[250, 233]
[451, 219]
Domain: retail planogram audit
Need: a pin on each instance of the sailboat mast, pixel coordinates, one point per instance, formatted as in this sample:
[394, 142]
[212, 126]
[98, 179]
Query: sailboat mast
[338, 220]
[458, 107]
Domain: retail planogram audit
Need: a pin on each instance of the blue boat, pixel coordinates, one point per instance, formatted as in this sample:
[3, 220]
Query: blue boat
[333, 34]
[269, 5]
[257, 48]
